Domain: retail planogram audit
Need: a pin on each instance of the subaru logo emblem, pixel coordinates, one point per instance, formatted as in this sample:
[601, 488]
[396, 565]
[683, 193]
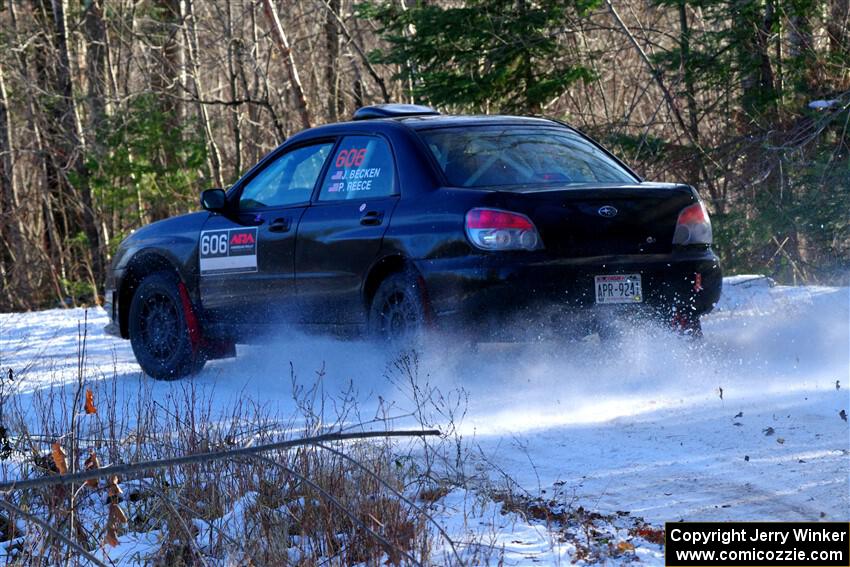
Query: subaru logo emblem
[607, 211]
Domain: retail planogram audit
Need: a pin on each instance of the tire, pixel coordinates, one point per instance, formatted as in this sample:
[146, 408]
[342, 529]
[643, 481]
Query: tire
[397, 311]
[159, 333]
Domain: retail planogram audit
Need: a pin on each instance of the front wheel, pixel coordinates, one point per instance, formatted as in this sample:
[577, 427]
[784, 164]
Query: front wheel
[159, 332]
[397, 313]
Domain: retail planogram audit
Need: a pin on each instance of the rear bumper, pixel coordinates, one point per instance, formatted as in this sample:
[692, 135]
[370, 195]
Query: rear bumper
[478, 289]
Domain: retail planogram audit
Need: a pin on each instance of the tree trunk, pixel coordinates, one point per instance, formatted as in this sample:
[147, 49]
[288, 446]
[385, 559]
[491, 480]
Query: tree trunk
[289, 60]
[193, 55]
[96, 78]
[169, 82]
[41, 252]
[11, 234]
[838, 27]
[751, 29]
[690, 90]
[95, 31]
[334, 103]
[801, 51]
[234, 50]
[74, 146]
[352, 41]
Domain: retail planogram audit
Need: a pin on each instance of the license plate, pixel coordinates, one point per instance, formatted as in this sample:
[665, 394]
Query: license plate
[620, 288]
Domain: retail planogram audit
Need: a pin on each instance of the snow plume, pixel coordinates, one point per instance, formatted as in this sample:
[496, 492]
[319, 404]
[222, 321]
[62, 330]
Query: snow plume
[760, 339]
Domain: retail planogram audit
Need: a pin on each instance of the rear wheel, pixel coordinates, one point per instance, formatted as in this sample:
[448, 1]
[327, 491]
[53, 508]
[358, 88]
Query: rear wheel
[397, 313]
[159, 332]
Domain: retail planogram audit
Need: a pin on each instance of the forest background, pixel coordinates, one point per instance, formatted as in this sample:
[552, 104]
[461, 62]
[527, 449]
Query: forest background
[117, 113]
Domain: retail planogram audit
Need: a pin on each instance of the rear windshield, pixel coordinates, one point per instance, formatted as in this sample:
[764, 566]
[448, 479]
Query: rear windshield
[486, 156]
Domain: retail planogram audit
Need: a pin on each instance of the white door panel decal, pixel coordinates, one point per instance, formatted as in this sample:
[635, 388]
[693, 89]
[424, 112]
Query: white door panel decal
[228, 251]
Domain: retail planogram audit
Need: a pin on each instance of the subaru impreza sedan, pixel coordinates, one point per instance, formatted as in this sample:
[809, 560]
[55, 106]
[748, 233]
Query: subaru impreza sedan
[404, 220]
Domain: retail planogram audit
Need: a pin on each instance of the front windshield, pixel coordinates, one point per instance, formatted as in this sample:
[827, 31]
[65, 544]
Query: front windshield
[486, 156]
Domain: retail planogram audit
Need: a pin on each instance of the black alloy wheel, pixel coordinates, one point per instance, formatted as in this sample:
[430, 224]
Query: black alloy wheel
[159, 332]
[397, 313]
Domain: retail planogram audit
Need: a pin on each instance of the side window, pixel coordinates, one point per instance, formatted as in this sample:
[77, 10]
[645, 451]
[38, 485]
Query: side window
[362, 167]
[287, 180]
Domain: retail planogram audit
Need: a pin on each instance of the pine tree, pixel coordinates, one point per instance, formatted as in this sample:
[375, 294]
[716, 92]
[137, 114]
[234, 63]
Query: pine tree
[484, 56]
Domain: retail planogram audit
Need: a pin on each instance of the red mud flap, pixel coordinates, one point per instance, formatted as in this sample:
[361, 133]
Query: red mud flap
[687, 326]
[202, 347]
[191, 320]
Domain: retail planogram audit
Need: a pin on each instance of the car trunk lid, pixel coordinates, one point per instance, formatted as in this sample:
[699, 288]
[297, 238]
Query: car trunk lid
[603, 220]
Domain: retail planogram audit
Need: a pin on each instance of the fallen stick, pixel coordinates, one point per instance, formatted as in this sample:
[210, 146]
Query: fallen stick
[53, 531]
[129, 468]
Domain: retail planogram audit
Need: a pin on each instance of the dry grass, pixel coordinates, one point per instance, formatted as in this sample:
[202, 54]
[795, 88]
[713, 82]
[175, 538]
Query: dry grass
[362, 502]
[352, 503]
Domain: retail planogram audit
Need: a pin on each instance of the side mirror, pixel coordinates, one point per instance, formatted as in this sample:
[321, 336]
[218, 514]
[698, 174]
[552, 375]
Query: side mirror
[214, 200]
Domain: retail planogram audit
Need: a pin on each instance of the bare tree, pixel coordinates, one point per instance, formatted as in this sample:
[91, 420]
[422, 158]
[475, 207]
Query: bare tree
[74, 144]
[11, 232]
[282, 43]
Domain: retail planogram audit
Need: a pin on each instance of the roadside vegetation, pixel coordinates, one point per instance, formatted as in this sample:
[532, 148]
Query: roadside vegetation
[363, 501]
[200, 487]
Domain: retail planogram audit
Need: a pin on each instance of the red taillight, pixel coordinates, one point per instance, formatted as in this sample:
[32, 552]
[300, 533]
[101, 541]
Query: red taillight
[692, 214]
[693, 226]
[492, 229]
[493, 219]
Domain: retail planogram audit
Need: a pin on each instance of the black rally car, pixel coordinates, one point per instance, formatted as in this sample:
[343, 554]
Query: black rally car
[404, 218]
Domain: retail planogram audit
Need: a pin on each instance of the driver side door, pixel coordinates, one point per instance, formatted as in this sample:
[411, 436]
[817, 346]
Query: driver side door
[246, 258]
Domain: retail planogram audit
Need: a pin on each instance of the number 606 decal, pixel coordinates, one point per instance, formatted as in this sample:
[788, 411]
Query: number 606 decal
[228, 251]
[351, 158]
[214, 244]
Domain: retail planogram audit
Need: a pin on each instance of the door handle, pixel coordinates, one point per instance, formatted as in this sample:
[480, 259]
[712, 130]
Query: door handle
[279, 225]
[372, 218]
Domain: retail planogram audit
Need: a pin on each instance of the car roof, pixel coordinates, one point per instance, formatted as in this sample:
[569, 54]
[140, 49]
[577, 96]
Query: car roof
[421, 122]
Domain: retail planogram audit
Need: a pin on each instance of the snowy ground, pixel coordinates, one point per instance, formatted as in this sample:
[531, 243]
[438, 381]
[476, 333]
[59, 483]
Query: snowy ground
[744, 425]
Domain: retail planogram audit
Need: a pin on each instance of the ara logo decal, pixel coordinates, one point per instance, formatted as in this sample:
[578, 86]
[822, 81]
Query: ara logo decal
[241, 239]
[228, 251]
[607, 211]
[243, 242]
